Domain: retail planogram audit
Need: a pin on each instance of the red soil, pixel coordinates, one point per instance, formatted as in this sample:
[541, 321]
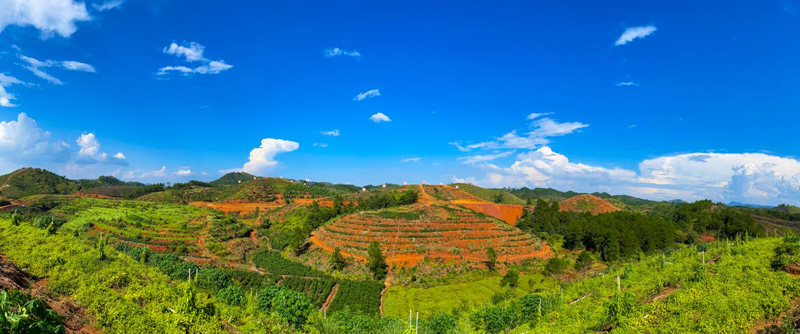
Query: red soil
[587, 203]
[707, 238]
[460, 236]
[241, 207]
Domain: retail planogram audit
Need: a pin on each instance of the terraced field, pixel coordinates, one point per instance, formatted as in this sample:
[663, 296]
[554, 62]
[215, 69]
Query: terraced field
[410, 234]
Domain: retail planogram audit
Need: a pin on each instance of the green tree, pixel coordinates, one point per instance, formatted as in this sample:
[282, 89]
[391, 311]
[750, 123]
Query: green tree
[377, 262]
[491, 255]
[584, 261]
[555, 266]
[15, 219]
[337, 260]
[511, 278]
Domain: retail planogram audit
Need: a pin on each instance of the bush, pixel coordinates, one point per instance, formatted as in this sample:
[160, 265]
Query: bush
[289, 305]
[232, 295]
[22, 313]
[511, 278]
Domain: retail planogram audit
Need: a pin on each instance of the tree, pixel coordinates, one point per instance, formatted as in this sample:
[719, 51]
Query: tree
[511, 278]
[491, 255]
[15, 219]
[555, 266]
[584, 261]
[377, 263]
[337, 260]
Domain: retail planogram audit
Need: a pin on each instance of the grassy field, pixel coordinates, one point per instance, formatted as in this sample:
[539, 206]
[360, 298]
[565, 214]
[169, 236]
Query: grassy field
[446, 298]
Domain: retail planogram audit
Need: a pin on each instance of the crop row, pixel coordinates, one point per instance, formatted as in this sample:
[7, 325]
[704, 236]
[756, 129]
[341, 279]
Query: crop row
[317, 290]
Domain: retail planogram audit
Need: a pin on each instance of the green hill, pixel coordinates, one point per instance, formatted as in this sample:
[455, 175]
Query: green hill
[34, 181]
[233, 178]
[491, 195]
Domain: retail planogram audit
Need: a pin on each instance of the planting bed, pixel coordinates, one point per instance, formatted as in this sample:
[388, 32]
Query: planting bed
[417, 232]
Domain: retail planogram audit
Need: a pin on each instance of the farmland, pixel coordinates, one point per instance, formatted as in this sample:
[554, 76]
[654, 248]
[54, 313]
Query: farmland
[411, 234]
[302, 256]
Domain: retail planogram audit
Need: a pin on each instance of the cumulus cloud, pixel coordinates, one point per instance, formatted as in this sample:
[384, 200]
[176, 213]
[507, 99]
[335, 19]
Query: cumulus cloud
[35, 66]
[541, 129]
[627, 84]
[192, 52]
[414, 159]
[22, 141]
[380, 117]
[262, 158]
[183, 172]
[332, 133]
[368, 94]
[89, 152]
[743, 177]
[633, 33]
[48, 16]
[323, 145]
[336, 52]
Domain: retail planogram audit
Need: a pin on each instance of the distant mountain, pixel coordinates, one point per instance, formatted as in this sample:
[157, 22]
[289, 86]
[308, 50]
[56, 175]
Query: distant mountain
[34, 181]
[548, 194]
[233, 178]
[746, 205]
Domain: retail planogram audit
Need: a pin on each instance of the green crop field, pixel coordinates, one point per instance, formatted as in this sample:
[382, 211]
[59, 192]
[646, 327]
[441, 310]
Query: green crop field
[446, 298]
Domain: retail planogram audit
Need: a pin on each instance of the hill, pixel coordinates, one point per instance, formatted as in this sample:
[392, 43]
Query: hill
[587, 203]
[500, 196]
[233, 178]
[34, 181]
[410, 234]
[259, 190]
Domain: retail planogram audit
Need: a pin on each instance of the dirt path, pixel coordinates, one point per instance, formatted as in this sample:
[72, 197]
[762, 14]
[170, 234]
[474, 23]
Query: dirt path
[330, 298]
[254, 237]
[76, 319]
[424, 198]
[664, 294]
[201, 242]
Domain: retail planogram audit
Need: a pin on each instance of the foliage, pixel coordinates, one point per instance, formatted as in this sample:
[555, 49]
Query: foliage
[583, 261]
[362, 297]
[22, 314]
[337, 260]
[278, 265]
[316, 290]
[491, 255]
[787, 253]
[556, 266]
[511, 278]
[377, 262]
[289, 305]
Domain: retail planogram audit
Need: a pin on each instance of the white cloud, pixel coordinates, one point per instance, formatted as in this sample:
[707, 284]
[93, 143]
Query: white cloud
[414, 159]
[34, 66]
[22, 141]
[627, 84]
[323, 145]
[536, 115]
[541, 130]
[380, 117]
[88, 144]
[77, 66]
[633, 33]
[48, 16]
[473, 159]
[263, 158]
[89, 152]
[743, 177]
[332, 133]
[336, 52]
[183, 172]
[366, 95]
[193, 52]
[111, 4]
[5, 96]
[158, 173]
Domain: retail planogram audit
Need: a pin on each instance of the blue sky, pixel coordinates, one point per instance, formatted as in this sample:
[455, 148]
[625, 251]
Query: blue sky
[672, 100]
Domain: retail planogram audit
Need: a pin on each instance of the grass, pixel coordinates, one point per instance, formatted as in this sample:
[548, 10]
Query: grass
[446, 298]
